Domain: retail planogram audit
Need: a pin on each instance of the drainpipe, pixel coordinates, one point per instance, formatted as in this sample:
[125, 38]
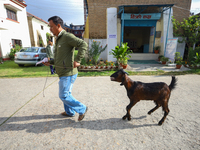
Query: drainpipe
[154, 38]
[122, 28]
[167, 30]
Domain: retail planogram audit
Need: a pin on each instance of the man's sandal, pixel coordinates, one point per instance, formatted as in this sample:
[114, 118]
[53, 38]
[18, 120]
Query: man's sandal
[83, 115]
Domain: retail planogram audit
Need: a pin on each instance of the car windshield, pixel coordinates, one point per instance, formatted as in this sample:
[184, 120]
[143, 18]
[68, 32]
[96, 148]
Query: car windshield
[29, 49]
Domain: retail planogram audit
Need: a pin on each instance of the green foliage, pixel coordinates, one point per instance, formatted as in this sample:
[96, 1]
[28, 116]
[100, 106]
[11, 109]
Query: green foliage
[197, 60]
[75, 53]
[164, 59]
[83, 61]
[157, 48]
[160, 56]
[11, 70]
[1, 60]
[121, 53]
[48, 36]
[13, 51]
[189, 30]
[178, 58]
[95, 50]
[192, 54]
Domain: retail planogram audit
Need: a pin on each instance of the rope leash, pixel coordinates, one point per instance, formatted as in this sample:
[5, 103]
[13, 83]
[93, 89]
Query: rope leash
[45, 83]
[47, 77]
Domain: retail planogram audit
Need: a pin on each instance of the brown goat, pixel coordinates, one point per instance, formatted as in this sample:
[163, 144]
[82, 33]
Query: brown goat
[159, 92]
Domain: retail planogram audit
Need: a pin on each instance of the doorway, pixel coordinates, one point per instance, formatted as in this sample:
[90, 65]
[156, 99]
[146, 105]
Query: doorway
[138, 38]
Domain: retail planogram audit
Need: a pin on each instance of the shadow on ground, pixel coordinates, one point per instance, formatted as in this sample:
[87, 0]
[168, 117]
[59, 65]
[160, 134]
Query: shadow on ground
[47, 123]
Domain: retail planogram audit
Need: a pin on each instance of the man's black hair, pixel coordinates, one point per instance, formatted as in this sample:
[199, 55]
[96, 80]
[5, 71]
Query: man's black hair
[56, 20]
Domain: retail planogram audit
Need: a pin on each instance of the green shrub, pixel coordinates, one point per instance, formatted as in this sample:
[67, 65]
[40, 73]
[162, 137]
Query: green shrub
[95, 50]
[75, 53]
[13, 51]
[178, 59]
[192, 54]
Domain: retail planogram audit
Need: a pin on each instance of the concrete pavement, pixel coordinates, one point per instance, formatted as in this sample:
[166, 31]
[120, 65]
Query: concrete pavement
[30, 121]
[155, 67]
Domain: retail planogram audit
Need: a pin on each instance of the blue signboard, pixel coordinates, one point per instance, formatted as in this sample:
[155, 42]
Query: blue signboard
[150, 16]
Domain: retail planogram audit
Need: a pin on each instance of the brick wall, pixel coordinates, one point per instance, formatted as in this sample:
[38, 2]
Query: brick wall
[97, 12]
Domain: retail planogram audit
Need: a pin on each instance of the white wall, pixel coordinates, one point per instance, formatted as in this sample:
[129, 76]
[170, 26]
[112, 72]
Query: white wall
[180, 46]
[13, 30]
[165, 27]
[37, 27]
[103, 43]
[111, 31]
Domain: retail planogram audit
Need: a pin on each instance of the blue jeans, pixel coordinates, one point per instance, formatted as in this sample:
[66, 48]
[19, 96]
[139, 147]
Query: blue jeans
[51, 68]
[71, 105]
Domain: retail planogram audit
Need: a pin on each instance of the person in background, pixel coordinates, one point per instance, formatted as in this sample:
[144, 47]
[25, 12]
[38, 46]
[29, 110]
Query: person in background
[66, 66]
[50, 53]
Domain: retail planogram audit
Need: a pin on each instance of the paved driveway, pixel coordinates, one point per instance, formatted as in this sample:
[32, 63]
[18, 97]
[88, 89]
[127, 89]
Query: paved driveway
[30, 121]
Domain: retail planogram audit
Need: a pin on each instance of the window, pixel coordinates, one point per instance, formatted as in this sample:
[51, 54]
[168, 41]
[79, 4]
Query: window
[43, 50]
[42, 28]
[15, 41]
[11, 14]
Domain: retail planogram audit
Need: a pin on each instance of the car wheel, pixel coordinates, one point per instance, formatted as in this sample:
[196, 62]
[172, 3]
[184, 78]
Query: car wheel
[21, 65]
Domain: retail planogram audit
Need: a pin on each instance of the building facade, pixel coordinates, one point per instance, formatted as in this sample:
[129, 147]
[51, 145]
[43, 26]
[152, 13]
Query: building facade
[143, 24]
[68, 28]
[38, 29]
[13, 26]
[77, 30]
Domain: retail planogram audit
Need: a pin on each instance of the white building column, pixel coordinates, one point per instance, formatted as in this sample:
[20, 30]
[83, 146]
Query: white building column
[111, 31]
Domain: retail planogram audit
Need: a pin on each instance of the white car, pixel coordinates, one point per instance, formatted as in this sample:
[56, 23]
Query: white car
[30, 55]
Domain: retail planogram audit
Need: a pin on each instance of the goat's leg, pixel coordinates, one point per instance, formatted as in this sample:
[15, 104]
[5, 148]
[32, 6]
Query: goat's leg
[128, 109]
[152, 110]
[166, 112]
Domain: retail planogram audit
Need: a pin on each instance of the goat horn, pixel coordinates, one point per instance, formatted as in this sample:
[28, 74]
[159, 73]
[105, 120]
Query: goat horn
[125, 72]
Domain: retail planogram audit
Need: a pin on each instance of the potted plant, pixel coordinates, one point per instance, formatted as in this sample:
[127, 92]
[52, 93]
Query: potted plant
[164, 59]
[101, 64]
[91, 66]
[121, 53]
[160, 56]
[156, 49]
[179, 63]
[116, 65]
[112, 65]
[107, 64]
[178, 60]
[124, 63]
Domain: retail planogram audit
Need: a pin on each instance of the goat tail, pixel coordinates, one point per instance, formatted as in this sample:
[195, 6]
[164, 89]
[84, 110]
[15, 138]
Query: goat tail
[173, 83]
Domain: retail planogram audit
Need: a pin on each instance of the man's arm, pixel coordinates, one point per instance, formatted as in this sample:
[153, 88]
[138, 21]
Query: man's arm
[80, 44]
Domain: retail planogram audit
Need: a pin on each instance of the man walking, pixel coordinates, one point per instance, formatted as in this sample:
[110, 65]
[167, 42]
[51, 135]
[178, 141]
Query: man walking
[49, 50]
[66, 66]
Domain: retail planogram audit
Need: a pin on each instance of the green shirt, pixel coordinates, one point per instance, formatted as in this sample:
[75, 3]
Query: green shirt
[64, 53]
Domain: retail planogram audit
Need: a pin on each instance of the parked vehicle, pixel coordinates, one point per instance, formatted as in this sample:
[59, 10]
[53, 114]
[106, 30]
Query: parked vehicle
[30, 55]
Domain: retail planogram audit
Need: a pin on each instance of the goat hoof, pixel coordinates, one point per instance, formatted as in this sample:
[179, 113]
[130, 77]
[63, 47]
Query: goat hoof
[129, 119]
[160, 123]
[124, 118]
[149, 113]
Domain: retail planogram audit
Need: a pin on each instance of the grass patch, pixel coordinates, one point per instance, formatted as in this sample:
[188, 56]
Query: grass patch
[11, 70]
